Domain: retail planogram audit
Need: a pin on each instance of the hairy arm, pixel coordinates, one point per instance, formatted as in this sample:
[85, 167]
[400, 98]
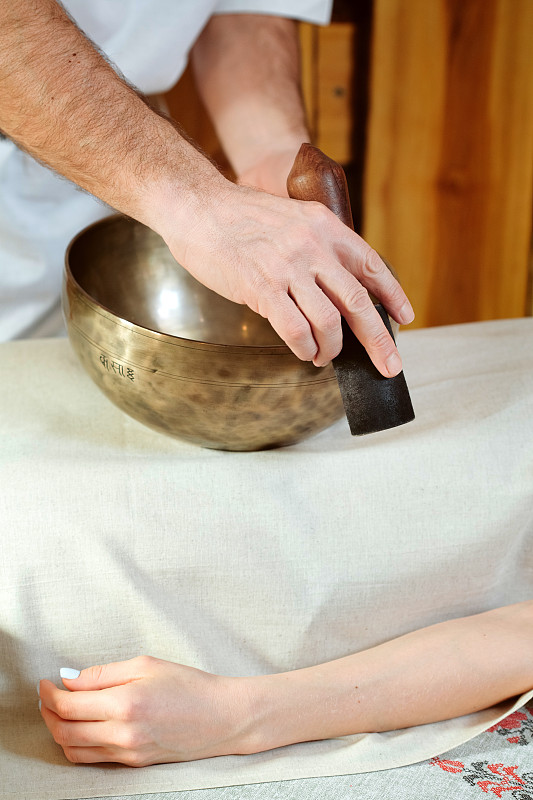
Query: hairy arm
[66, 106]
[147, 711]
[294, 263]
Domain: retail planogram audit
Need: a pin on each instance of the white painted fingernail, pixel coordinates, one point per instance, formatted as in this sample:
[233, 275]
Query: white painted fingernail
[39, 688]
[69, 673]
[39, 705]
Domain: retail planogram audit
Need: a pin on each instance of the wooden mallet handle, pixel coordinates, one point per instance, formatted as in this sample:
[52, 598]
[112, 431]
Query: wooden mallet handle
[315, 176]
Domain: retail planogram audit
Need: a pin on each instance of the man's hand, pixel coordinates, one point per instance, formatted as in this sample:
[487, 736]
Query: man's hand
[145, 711]
[302, 278]
[294, 263]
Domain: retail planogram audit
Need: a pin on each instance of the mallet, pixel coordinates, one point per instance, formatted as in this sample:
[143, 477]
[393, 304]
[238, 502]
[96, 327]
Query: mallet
[371, 401]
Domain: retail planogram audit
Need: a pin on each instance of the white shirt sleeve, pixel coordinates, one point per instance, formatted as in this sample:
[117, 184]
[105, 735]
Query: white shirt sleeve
[317, 11]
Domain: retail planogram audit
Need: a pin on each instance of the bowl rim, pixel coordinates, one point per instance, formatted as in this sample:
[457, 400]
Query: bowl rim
[273, 349]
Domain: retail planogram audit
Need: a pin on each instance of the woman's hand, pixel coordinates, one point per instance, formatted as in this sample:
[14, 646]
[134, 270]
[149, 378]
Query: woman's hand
[146, 711]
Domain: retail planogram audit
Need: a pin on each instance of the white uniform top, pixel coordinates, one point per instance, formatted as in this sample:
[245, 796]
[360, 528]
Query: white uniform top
[149, 41]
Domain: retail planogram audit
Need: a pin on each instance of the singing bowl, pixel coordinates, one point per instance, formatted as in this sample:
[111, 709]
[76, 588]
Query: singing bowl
[178, 357]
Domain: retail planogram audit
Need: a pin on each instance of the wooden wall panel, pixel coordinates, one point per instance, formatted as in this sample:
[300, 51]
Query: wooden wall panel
[328, 69]
[449, 163]
[335, 90]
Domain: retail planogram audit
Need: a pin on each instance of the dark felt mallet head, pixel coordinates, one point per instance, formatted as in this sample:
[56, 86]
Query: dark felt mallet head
[371, 401]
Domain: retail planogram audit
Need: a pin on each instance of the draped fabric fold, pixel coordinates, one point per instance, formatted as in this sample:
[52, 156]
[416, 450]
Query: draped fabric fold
[117, 541]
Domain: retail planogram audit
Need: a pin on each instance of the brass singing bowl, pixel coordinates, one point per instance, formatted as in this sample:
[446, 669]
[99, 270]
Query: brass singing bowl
[180, 358]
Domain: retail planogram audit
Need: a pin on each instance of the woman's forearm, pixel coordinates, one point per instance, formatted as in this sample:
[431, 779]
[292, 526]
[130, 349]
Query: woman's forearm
[164, 712]
[444, 671]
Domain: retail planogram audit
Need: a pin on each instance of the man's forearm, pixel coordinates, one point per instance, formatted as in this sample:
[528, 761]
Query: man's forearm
[444, 671]
[247, 68]
[63, 103]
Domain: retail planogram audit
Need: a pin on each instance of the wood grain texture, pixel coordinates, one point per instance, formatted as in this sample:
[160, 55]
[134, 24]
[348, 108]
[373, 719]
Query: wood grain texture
[308, 59]
[449, 165]
[328, 79]
[335, 90]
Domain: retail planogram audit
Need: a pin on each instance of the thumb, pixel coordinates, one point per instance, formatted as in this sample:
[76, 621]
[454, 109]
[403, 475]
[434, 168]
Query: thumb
[100, 676]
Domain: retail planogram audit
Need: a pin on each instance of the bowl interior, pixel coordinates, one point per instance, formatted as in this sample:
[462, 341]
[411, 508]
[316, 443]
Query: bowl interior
[128, 269]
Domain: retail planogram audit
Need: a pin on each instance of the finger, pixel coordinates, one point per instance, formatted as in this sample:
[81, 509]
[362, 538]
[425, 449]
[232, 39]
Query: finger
[355, 305]
[103, 676]
[93, 755]
[68, 733]
[75, 706]
[293, 327]
[115, 755]
[324, 320]
[371, 271]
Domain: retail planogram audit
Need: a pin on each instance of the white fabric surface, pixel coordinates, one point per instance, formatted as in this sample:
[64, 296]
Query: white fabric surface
[492, 764]
[117, 541]
[40, 212]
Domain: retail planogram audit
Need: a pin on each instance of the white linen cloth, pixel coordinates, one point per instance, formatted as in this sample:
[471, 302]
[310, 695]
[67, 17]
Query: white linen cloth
[40, 212]
[493, 762]
[117, 541]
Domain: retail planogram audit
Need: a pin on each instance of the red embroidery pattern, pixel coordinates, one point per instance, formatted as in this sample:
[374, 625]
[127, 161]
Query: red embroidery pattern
[447, 766]
[491, 778]
[520, 724]
[498, 779]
